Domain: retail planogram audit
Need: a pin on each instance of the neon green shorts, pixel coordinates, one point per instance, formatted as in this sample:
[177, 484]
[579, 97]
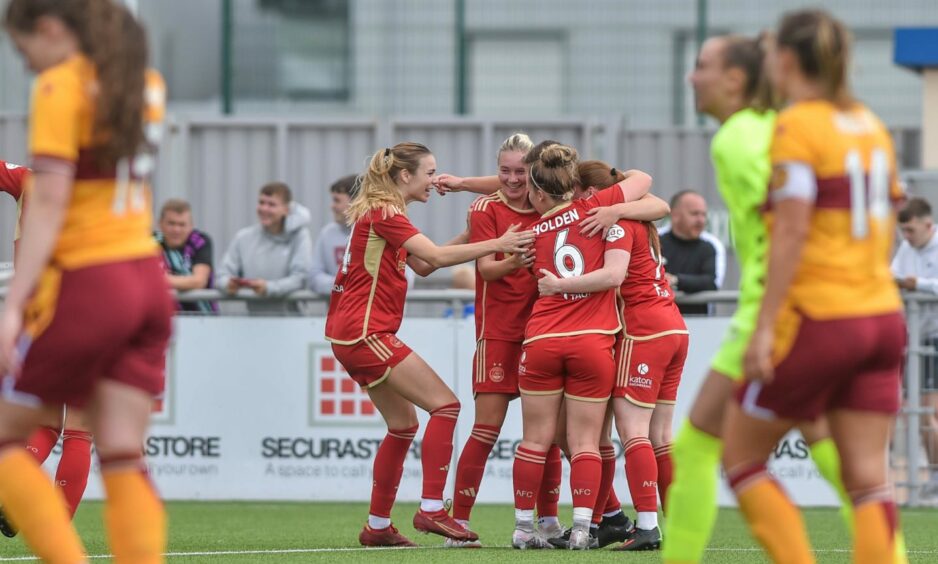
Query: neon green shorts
[728, 359]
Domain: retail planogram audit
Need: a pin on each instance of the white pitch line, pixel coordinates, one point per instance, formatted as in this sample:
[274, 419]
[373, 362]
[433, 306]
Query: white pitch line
[379, 549]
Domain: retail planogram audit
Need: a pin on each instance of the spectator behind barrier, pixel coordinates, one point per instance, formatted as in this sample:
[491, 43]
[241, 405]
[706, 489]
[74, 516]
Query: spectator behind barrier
[915, 267]
[464, 278]
[329, 249]
[272, 257]
[330, 245]
[695, 259]
[187, 253]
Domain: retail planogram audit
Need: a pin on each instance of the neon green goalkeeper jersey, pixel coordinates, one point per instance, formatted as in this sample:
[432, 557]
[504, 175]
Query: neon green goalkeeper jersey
[740, 153]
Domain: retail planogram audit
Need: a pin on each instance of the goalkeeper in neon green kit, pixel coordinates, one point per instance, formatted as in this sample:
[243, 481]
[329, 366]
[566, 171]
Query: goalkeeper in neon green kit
[729, 85]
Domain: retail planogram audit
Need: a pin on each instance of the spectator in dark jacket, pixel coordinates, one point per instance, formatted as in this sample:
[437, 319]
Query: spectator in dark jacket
[187, 253]
[694, 259]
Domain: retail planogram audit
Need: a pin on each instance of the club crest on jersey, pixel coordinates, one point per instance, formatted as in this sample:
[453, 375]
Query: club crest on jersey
[497, 373]
[395, 342]
[615, 233]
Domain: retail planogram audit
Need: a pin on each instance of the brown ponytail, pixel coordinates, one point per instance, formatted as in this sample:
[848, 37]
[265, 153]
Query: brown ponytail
[599, 174]
[115, 42]
[822, 47]
[749, 55]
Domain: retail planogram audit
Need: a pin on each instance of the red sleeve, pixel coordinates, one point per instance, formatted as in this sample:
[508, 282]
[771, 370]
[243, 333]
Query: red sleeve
[482, 225]
[606, 197]
[395, 230]
[620, 237]
[12, 178]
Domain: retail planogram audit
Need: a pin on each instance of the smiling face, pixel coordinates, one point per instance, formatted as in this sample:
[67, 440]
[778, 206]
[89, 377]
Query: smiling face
[513, 176]
[340, 203]
[271, 210]
[689, 216]
[416, 187]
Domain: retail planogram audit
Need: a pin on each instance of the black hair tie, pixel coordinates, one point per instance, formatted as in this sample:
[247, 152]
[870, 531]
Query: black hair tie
[387, 152]
[613, 172]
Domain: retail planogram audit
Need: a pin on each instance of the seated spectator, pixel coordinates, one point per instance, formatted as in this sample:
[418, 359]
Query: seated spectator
[187, 253]
[329, 248]
[915, 268]
[272, 257]
[694, 259]
[330, 245]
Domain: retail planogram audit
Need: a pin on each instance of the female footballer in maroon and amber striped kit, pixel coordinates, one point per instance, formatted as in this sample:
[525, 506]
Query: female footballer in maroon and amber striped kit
[650, 355]
[71, 474]
[364, 315]
[830, 335]
[89, 302]
[568, 345]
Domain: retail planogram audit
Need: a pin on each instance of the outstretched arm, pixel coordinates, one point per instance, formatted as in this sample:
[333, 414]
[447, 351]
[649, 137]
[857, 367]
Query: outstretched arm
[484, 185]
[648, 208]
[513, 241]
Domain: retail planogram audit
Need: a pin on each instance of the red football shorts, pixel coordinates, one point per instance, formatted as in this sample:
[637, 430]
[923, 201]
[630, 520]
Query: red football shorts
[495, 367]
[648, 371]
[827, 365]
[110, 321]
[580, 366]
[369, 361]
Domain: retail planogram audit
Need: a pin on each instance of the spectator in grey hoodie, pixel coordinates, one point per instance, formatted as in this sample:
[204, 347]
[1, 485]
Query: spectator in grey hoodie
[329, 248]
[330, 245]
[273, 257]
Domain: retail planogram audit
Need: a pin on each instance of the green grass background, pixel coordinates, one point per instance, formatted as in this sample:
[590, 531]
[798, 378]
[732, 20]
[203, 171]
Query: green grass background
[229, 526]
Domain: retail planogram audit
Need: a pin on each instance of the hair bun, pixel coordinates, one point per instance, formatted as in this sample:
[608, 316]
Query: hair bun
[557, 156]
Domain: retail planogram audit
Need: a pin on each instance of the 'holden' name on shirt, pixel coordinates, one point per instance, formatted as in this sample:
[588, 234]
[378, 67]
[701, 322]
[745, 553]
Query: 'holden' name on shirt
[556, 222]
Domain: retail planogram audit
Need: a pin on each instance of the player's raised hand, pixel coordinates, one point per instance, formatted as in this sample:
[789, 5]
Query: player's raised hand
[445, 183]
[11, 323]
[548, 284]
[598, 220]
[757, 362]
[514, 241]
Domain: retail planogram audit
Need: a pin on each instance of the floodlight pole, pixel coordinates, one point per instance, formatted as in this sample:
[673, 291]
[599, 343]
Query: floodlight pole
[461, 108]
[227, 21]
[701, 37]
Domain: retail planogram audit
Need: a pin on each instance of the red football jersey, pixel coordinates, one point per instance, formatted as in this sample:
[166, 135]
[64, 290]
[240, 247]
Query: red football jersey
[12, 179]
[560, 248]
[504, 305]
[370, 288]
[649, 308]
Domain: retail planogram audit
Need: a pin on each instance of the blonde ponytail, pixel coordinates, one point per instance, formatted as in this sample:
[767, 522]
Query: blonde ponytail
[377, 186]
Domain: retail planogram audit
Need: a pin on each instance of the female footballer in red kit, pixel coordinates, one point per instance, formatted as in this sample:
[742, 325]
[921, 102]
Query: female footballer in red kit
[364, 315]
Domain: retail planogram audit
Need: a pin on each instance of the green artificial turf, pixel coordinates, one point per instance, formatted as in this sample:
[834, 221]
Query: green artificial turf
[328, 532]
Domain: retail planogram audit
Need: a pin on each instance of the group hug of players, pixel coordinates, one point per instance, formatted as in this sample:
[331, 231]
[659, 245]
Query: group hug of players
[575, 316]
[574, 313]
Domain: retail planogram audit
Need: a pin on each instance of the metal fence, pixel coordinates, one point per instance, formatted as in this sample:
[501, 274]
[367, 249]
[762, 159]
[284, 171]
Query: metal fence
[219, 164]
